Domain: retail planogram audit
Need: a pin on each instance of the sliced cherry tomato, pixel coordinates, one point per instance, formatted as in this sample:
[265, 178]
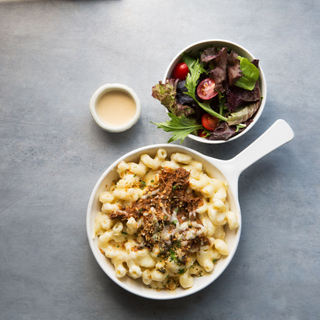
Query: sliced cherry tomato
[202, 133]
[209, 122]
[180, 71]
[205, 89]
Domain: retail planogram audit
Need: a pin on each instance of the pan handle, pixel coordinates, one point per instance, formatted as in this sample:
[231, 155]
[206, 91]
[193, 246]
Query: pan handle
[277, 135]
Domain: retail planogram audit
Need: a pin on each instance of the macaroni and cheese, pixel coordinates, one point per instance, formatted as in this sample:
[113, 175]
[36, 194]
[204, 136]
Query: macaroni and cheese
[163, 221]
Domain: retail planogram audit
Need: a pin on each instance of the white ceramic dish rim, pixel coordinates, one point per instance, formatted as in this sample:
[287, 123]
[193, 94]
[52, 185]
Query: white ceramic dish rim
[152, 294]
[109, 87]
[263, 86]
[277, 135]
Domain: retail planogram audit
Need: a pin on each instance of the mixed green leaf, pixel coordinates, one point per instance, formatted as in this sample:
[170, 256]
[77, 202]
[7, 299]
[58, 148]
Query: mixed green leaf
[250, 74]
[179, 126]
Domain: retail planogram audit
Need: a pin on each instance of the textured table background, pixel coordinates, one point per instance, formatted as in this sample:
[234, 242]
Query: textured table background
[53, 56]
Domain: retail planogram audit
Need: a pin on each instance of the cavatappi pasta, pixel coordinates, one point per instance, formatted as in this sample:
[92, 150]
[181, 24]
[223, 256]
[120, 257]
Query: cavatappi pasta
[163, 221]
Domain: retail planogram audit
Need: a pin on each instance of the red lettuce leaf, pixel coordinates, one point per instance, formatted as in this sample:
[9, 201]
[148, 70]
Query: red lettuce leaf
[225, 132]
[222, 132]
[219, 73]
[166, 94]
[237, 96]
[234, 71]
[209, 54]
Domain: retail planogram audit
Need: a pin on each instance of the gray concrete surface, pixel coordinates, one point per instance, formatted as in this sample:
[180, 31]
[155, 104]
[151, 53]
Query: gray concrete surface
[53, 56]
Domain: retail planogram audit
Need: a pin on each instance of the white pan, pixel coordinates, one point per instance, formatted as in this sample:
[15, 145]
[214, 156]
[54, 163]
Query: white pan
[277, 135]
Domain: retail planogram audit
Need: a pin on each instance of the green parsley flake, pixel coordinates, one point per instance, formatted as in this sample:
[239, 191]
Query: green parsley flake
[173, 256]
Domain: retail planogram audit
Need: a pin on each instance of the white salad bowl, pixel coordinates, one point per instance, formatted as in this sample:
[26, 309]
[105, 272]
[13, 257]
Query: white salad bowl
[201, 45]
[230, 170]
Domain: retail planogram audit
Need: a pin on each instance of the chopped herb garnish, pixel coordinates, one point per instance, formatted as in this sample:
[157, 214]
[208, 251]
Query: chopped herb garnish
[152, 180]
[214, 260]
[165, 217]
[173, 256]
[124, 232]
[182, 271]
[174, 222]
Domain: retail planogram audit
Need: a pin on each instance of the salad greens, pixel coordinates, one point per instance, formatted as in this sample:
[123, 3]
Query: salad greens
[236, 80]
[243, 114]
[166, 94]
[180, 127]
[188, 60]
[191, 84]
[250, 74]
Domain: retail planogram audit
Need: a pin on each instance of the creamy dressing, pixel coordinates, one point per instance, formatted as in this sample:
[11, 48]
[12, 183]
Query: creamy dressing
[116, 108]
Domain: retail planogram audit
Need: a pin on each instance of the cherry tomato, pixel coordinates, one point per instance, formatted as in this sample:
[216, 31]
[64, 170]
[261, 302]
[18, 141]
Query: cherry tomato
[205, 89]
[209, 122]
[180, 71]
[202, 133]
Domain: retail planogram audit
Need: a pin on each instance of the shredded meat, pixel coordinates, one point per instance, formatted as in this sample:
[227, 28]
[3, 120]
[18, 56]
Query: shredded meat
[169, 196]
